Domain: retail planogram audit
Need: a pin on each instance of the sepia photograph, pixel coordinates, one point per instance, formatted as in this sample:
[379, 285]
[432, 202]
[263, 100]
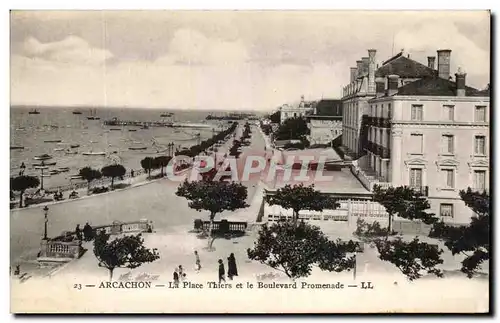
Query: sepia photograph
[249, 161]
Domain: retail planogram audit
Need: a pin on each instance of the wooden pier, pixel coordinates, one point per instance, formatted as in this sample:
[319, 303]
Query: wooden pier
[148, 124]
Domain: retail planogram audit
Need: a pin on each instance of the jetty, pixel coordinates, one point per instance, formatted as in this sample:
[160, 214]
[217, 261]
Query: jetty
[147, 124]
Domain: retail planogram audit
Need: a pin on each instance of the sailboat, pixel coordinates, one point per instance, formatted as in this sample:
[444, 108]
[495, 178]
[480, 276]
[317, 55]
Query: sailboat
[34, 111]
[93, 115]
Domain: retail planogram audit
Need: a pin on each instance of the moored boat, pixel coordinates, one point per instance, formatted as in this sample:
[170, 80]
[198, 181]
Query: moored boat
[16, 147]
[44, 164]
[74, 146]
[34, 111]
[138, 148]
[58, 149]
[94, 153]
[52, 140]
[42, 157]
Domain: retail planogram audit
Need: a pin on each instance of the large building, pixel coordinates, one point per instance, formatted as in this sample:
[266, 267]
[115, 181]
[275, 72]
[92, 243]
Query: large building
[361, 88]
[325, 123]
[296, 110]
[431, 134]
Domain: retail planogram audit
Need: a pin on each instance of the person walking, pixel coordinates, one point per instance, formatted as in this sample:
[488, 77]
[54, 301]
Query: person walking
[197, 261]
[176, 278]
[87, 232]
[78, 232]
[181, 272]
[222, 272]
[232, 270]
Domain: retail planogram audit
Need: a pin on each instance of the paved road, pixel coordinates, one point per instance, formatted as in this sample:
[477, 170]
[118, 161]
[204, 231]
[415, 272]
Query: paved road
[155, 201]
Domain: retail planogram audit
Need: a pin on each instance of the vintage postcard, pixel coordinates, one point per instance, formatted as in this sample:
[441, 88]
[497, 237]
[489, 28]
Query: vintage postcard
[250, 161]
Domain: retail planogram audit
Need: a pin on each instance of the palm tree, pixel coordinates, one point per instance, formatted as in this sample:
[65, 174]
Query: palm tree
[161, 162]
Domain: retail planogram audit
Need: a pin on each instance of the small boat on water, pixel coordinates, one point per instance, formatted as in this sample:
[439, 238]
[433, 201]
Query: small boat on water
[75, 177]
[77, 112]
[75, 146]
[58, 149]
[44, 164]
[138, 148]
[63, 169]
[132, 130]
[93, 115]
[42, 157]
[16, 147]
[54, 172]
[94, 153]
[51, 141]
[70, 152]
[166, 115]
[20, 129]
[93, 142]
[46, 175]
[34, 111]
[115, 129]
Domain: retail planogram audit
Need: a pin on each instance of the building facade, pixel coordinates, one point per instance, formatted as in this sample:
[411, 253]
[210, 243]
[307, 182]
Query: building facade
[295, 110]
[433, 135]
[325, 124]
[361, 88]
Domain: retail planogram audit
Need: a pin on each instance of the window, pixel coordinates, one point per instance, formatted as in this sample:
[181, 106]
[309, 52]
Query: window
[449, 178]
[480, 114]
[449, 112]
[389, 112]
[447, 144]
[479, 145]
[417, 143]
[446, 210]
[479, 180]
[417, 112]
[416, 177]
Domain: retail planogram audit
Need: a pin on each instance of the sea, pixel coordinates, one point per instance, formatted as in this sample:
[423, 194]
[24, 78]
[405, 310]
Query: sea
[32, 131]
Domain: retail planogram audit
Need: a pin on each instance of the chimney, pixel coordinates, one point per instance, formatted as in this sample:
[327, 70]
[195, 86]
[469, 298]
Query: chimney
[366, 61]
[359, 67]
[354, 73]
[431, 62]
[371, 70]
[444, 63]
[392, 84]
[460, 81]
[380, 86]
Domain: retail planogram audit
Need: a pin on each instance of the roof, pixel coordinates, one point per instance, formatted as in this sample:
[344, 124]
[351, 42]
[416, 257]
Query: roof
[438, 87]
[405, 68]
[329, 107]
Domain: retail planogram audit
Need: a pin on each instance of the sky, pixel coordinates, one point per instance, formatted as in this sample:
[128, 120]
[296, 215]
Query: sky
[223, 60]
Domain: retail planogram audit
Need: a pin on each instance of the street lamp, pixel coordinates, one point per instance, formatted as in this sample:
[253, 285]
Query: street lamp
[45, 213]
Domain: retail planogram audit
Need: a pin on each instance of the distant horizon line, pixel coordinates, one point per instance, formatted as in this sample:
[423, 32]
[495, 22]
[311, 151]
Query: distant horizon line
[131, 107]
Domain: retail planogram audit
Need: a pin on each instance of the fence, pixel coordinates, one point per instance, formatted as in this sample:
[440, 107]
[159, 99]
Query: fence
[223, 226]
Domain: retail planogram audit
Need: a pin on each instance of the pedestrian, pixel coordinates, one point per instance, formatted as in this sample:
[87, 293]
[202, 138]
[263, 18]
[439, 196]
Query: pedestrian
[231, 267]
[78, 232]
[222, 272]
[197, 261]
[87, 232]
[131, 173]
[176, 278]
[181, 272]
[17, 271]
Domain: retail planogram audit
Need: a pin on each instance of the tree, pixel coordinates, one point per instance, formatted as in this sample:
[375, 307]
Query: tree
[404, 202]
[294, 128]
[411, 258]
[294, 249]
[214, 197]
[162, 162]
[472, 240]
[89, 174]
[300, 197]
[22, 183]
[113, 171]
[123, 252]
[148, 164]
[275, 117]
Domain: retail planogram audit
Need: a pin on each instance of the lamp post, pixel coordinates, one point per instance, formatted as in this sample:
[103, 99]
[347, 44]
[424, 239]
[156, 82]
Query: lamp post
[45, 213]
[41, 168]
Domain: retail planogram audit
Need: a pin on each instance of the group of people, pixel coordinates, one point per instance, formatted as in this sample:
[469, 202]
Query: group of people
[232, 270]
[88, 232]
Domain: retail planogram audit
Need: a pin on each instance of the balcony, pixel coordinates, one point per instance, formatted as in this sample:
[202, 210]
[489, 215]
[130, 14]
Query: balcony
[424, 190]
[378, 150]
